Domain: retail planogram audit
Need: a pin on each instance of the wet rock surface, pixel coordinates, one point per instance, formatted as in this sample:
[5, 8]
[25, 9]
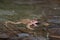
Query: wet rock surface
[3, 35]
[24, 36]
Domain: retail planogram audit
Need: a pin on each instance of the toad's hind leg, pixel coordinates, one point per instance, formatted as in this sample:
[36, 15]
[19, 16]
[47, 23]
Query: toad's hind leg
[6, 23]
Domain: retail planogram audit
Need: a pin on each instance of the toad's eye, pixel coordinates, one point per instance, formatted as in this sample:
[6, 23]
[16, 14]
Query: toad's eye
[37, 23]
